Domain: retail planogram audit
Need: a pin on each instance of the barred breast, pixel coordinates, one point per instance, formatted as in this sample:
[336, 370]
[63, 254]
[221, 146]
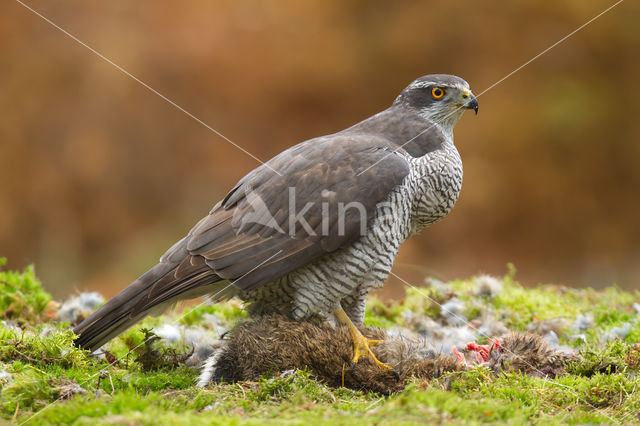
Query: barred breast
[343, 279]
[436, 182]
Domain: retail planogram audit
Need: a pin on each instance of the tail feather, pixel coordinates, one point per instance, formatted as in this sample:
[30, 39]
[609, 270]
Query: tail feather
[150, 294]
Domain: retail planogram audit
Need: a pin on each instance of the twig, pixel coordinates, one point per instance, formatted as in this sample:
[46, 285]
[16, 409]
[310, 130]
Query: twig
[15, 414]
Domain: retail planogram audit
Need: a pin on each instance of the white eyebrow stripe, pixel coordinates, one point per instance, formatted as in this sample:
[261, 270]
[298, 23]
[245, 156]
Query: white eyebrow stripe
[423, 84]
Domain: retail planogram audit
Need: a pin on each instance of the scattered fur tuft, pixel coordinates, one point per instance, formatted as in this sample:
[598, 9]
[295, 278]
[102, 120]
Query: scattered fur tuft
[528, 353]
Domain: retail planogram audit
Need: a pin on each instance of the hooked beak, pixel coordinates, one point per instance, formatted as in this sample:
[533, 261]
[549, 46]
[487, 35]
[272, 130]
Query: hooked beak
[470, 101]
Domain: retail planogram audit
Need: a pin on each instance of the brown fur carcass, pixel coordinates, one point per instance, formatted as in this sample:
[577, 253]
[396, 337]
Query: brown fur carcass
[275, 344]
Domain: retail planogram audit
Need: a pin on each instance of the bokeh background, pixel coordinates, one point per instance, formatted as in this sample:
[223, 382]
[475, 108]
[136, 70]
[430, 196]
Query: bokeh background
[98, 176]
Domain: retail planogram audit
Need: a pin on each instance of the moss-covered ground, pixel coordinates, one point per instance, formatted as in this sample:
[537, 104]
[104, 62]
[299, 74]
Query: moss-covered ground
[44, 379]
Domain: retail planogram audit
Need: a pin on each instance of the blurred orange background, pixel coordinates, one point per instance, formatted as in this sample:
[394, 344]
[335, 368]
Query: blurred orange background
[99, 175]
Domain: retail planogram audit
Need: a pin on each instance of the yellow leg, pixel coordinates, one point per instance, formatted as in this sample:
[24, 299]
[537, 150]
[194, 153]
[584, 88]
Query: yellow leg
[361, 345]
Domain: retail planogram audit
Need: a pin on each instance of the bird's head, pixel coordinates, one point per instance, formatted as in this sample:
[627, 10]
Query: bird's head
[440, 98]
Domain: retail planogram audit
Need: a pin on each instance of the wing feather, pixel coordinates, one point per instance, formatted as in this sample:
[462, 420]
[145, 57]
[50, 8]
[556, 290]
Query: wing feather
[251, 234]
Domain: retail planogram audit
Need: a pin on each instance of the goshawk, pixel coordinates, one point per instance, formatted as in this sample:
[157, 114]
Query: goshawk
[318, 226]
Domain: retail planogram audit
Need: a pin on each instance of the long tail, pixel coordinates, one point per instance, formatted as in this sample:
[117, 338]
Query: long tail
[164, 284]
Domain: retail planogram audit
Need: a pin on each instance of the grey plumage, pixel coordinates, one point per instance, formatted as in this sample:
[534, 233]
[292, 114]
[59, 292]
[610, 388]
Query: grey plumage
[398, 169]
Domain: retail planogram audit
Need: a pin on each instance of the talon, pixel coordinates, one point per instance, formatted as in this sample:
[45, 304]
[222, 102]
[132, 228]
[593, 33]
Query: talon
[362, 346]
[360, 343]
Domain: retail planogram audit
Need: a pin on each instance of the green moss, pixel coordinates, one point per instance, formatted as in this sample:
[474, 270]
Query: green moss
[41, 346]
[617, 357]
[149, 383]
[229, 312]
[22, 298]
[383, 315]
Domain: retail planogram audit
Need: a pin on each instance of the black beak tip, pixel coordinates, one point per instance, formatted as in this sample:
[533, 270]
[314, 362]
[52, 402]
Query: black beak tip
[472, 104]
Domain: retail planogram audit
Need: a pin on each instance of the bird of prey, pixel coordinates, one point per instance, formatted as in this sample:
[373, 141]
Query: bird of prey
[318, 226]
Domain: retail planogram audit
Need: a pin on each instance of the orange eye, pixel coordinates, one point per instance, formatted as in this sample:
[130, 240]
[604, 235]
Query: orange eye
[437, 92]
